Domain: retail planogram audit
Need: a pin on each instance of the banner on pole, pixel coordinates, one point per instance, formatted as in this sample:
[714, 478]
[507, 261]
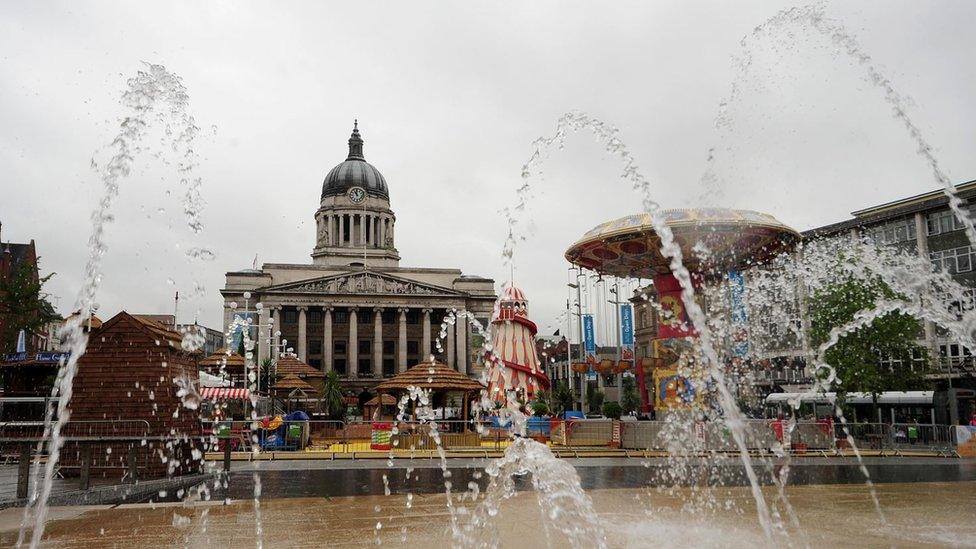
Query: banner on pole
[589, 345]
[627, 332]
[739, 315]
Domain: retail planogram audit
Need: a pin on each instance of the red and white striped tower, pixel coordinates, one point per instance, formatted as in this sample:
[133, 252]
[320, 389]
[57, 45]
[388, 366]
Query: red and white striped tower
[515, 365]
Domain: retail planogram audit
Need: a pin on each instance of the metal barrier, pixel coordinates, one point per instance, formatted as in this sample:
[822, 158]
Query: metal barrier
[920, 436]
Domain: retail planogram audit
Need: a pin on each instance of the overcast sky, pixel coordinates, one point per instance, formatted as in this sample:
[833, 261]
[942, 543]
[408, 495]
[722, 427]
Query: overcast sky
[450, 96]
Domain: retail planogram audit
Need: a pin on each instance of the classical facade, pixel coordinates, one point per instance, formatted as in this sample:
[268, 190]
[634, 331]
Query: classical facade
[354, 309]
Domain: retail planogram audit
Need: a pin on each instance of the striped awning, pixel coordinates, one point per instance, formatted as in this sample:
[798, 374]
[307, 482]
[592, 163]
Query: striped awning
[218, 393]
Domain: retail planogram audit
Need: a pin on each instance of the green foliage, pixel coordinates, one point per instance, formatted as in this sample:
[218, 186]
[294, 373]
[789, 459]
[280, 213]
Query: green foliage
[539, 407]
[594, 398]
[264, 371]
[561, 398]
[629, 399]
[857, 355]
[612, 410]
[23, 305]
[332, 403]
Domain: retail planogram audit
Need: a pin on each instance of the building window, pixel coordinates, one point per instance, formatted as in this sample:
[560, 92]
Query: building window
[340, 317]
[339, 364]
[365, 345]
[942, 222]
[365, 317]
[953, 260]
[315, 363]
[339, 346]
[388, 367]
[315, 317]
[412, 347]
[315, 347]
[365, 368]
[389, 317]
[289, 316]
[893, 232]
[389, 347]
[413, 317]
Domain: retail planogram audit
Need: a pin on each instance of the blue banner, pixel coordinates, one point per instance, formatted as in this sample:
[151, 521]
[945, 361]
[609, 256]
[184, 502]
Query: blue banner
[626, 325]
[589, 337]
[52, 357]
[739, 315]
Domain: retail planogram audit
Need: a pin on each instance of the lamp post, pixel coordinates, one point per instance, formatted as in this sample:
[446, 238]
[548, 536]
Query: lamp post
[579, 314]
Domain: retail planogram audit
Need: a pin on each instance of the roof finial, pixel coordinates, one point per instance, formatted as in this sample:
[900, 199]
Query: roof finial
[355, 143]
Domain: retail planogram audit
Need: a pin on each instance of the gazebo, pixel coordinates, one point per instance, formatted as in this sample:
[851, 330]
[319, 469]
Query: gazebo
[437, 378]
[290, 388]
[233, 367]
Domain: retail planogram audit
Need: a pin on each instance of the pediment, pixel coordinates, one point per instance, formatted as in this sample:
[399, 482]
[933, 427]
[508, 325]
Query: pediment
[366, 282]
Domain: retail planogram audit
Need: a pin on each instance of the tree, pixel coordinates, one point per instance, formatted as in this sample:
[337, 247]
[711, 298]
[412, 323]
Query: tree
[594, 398]
[332, 403]
[629, 399]
[539, 407]
[882, 356]
[264, 373]
[23, 304]
[612, 410]
[561, 398]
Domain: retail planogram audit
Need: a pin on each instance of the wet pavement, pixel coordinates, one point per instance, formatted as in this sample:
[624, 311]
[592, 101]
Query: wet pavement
[916, 515]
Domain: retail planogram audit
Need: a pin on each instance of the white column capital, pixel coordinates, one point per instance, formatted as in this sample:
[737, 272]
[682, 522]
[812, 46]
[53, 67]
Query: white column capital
[328, 309]
[377, 309]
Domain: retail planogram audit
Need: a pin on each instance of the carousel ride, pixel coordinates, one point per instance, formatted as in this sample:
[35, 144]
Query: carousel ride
[716, 244]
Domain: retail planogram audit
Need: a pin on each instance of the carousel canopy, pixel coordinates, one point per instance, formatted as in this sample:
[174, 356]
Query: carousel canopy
[733, 239]
[433, 376]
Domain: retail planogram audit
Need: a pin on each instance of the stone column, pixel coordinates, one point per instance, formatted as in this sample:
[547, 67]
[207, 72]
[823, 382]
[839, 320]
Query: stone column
[352, 347]
[402, 341]
[302, 346]
[382, 231]
[276, 333]
[362, 229]
[378, 342]
[450, 345]
[342, 228]
[425, 342]
[327, 339]
[461, 350]
[264, 350]
[329, 226]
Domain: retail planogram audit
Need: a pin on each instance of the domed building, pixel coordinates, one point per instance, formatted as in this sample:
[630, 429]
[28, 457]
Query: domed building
[354, 309]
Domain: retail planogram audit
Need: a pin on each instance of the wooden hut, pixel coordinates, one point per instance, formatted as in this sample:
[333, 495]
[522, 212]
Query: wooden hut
[373, 409]
[437, 378]
[296, 393]
[289, 364]
[127, 384]
[232, 365]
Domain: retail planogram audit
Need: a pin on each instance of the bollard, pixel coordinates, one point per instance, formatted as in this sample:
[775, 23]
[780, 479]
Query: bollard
[84, 476]
[133, 459]
[23, 471]
[227, 456]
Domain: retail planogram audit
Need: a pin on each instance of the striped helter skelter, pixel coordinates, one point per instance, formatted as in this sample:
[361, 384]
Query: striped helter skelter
[513, 363]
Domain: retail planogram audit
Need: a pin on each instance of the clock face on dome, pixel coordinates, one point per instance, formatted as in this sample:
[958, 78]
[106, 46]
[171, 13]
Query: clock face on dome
[356, 194]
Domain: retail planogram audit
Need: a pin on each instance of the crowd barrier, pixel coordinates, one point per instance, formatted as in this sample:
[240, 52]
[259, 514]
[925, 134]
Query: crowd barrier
[759, 435]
